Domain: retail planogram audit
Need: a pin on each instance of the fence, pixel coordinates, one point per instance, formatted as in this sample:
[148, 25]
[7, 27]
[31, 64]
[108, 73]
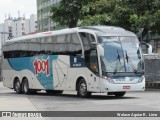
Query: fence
[0, 72]
[152, 72]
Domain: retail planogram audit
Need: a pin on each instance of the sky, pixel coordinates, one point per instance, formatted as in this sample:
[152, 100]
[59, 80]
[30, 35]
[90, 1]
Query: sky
[12, 7]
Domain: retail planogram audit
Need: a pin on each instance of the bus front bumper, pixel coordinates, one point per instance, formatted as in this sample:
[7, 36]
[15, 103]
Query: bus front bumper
[106, 86]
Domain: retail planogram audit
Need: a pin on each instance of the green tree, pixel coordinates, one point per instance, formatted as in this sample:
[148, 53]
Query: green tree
[68, 12]
[129, 14]
[97, 12]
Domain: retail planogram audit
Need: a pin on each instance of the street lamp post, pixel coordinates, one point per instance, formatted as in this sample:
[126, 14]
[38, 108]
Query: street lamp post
[9, 36]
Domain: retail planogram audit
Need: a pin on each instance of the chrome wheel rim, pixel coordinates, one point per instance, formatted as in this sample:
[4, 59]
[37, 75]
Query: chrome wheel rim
[83, 89]
[17, 86]
[25, 87]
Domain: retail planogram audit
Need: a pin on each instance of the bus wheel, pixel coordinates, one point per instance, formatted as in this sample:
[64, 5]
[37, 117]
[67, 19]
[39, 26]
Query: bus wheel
[82, 89]
[25, 86]
[17, 87]
[119, 94]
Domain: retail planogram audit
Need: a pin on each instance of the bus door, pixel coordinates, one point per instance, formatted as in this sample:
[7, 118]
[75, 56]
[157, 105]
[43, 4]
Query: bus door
[91, 61]
[93, 71]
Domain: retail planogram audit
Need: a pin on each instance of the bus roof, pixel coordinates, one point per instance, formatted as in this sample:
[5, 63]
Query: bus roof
[108, 31]
[42, 34]
[98, 30]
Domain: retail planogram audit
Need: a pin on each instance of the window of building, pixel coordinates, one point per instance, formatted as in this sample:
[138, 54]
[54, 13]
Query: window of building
[49, 14]
[49, 3]
[42, 5]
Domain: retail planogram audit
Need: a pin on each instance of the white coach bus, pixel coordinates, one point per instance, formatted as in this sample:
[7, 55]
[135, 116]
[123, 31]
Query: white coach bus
[91, 59]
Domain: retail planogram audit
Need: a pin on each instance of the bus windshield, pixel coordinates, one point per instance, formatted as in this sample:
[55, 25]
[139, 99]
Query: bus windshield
[121, 54]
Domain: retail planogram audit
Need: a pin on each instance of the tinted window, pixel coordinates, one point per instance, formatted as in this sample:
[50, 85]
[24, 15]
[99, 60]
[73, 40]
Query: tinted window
[67, 44]
[74, 45]
[92, 60]
[90, 52]
[87, 40]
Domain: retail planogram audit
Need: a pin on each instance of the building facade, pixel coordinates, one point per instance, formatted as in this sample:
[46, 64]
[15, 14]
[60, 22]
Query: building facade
[31, 24]
[16, 27]
[44, 21]
[5, 30]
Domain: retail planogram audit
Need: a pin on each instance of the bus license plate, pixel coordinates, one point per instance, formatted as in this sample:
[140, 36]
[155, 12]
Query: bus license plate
[126, 87]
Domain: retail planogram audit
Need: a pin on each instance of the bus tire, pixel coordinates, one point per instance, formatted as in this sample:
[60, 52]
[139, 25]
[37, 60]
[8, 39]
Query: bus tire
[119, 94]
[82, 89]
[17, 86]
[25, 86]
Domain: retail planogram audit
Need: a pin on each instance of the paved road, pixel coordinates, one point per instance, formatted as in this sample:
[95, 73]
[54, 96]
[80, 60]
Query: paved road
[133, 101]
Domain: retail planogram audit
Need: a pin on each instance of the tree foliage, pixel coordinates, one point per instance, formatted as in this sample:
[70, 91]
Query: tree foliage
[68, 12]
[129, 14]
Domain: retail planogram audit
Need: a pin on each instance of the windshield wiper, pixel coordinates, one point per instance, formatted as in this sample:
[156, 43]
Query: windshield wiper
[118, 59]
[126, 56]
[129, 60]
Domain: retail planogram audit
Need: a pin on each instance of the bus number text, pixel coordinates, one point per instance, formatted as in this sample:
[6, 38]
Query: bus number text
[41, 66]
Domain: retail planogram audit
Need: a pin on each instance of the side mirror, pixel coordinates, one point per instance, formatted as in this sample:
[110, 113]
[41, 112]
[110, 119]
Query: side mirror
[149, 49]
[148, 46]
[100, 50]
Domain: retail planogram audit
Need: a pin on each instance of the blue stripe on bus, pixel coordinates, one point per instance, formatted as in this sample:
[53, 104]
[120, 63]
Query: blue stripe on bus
[27, 63]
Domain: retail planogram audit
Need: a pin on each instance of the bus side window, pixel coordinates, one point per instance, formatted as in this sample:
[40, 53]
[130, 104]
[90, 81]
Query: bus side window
[92, 38]
[87, 40]
[92, 61]
[90, 52]
[61, 45]
[74, 45]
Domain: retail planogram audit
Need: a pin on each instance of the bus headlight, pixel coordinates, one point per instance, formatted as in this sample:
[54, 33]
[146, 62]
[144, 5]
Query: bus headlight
[141, 79]
[108, 79]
